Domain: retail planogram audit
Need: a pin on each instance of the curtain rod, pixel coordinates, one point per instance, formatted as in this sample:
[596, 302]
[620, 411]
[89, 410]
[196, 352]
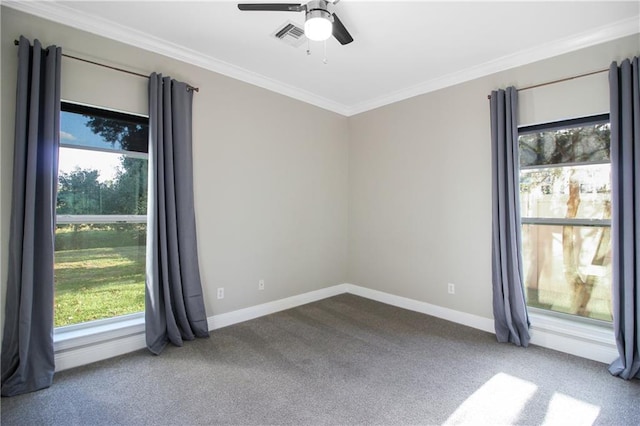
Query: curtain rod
[195, 89]
[559, 80]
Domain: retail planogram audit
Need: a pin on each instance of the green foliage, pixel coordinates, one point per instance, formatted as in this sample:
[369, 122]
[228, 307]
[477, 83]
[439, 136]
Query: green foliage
[86, 236]
[129, 189]
[80, 192]
[129, 136]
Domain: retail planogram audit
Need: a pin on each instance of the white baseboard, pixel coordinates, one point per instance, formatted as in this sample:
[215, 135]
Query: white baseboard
[470, 320]
[583, 340]
[246, 314]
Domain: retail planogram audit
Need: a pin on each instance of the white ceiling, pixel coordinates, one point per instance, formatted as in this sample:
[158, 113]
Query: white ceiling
[401, 48]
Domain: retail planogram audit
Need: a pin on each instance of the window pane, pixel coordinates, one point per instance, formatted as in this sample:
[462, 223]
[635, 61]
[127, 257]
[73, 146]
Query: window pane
[103, 130]
[95, 183]
[568, 269]
[582, 192]
[99, 271]
[570, 145]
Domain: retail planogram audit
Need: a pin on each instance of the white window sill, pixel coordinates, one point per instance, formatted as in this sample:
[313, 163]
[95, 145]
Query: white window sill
[589, 340]
[95, 332]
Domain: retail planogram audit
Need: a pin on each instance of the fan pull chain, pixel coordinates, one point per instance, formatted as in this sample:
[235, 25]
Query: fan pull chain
[324, 61]
[308, 48]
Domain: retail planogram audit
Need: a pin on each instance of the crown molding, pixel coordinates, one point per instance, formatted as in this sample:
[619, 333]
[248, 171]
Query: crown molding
[65, 15]
[619, 29]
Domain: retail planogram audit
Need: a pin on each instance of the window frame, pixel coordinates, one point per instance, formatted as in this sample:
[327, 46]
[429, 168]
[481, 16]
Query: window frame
[564, 124]
[551, 317]
[71, 336]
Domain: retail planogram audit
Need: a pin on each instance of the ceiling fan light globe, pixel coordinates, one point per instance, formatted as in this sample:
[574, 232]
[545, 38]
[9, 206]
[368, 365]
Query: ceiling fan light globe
[318, 28]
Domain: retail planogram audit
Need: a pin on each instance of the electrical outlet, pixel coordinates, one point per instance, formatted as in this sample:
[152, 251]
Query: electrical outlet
[451, 288]
[221, 293]
[261, 285]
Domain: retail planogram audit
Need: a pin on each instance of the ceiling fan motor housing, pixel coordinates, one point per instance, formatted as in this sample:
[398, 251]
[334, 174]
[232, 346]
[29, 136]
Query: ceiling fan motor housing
[318, 9]
[318, 13]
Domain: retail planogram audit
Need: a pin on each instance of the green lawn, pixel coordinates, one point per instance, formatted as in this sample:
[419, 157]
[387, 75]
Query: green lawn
[96, 283]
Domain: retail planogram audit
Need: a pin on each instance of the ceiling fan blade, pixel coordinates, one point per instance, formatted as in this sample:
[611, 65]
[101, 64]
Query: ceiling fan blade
[274, 7]
[340, 32]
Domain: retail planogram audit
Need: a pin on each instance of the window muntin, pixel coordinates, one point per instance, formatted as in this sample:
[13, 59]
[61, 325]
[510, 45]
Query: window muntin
[565, 203]
[101, 215]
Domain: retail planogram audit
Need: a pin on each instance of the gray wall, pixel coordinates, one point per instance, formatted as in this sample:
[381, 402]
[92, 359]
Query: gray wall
[270, 195]
[420, 182]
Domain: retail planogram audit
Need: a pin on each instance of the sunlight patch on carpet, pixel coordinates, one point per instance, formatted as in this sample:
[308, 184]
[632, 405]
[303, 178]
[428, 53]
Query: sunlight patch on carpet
[565, 410]
[499, 401]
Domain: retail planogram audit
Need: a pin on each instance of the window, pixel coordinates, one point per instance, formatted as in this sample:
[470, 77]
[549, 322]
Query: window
[101, 217]
[565, 206]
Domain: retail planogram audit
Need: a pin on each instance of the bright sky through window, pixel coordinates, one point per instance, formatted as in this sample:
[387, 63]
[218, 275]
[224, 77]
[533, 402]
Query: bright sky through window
[106, 163]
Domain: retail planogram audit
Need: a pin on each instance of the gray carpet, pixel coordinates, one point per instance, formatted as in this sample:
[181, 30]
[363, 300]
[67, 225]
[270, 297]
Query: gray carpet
[343, 360]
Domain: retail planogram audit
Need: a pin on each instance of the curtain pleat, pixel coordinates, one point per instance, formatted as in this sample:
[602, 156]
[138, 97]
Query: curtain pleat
[174, 309]
[509, 307]
[624, 84]
[27, 344]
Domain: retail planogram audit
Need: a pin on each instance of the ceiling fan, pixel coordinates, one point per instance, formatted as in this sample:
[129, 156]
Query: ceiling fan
[319, 23]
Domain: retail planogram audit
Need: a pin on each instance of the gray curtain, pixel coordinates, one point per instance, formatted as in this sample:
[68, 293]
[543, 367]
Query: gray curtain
[624, 84]
[174, 303]
[509, 307]
[27, 343]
